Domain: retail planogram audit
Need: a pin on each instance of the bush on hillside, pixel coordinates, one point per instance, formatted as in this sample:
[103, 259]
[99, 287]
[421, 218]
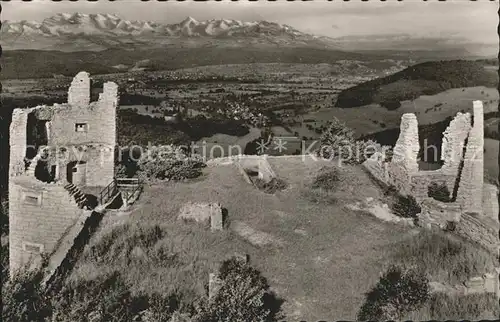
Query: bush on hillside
[439, 192]
[276, 184]
[106, 298]
[327, 179]
[406, 207]
[443, 307]
[398, 292]
[168, 163]
[444, 257]
[244, 296]
[23, 298]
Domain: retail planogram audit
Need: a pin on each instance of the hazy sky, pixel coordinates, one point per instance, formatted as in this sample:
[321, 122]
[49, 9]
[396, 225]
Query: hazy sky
[462, 18]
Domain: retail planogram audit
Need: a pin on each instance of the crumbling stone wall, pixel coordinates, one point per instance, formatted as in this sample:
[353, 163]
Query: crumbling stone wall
[470, 189]
[421, 181]
[454, 138]
[98, 159]
[18, 140]
[258, 164]
[79, 91]
[407, 146]
[38, 224]
[438, 213]
[478, 231]
[99, 118]
[377, 167]
[404, 161]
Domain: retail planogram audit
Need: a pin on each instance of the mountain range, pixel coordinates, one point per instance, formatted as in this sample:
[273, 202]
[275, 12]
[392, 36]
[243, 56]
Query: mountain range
[69, 32]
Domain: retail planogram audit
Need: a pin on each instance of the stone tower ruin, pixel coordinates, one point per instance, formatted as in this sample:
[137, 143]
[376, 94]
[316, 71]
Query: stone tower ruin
[462, 157]
[466, 210]
[59, 156]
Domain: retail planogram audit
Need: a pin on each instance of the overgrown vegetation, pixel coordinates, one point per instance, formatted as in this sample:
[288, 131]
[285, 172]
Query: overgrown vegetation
[398, 292]
[23, 298]
[444, 257]
[442, 306]
[338, 142]
[406, 207]
[244, 296]
[439, 191]
[327, 179]
[106, 298]
[166, 162]
[275, 184]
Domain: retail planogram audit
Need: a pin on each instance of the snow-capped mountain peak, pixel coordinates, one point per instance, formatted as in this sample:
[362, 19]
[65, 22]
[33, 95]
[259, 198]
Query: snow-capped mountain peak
[105, 28]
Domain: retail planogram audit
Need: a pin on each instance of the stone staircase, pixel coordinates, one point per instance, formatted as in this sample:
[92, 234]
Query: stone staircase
[78, 195]
[64, 246]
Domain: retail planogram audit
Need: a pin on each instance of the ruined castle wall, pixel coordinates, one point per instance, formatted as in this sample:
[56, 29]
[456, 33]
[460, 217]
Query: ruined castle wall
[377, 168]
[79, 90]
[97, 121]
[438, 213]
[452, 147]
[99, 163]
[39, 224]
[100, 166]
[490, 201]
[404, 161]
[407, 146]
[18, 140]
[478, 231]
[421, 181]
[470, 190]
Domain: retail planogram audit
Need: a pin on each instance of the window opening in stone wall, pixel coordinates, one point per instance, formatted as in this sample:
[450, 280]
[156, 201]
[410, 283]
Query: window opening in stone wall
[32, 198]
[81, 127]
[36, 135]
[32, 248]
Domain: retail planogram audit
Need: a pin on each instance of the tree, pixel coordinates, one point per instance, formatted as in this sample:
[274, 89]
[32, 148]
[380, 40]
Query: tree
[398, 292]
[338, 141]
[244, 296]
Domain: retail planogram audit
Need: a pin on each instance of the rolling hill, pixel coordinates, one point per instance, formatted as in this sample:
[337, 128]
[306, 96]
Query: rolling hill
[19, 64]
[426, 78]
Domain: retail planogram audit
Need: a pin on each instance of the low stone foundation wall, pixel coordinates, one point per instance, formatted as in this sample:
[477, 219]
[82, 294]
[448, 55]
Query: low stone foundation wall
[478, 231]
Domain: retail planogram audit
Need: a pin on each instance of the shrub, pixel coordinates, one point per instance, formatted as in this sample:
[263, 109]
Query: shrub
[23, 298]
[444, 257]
[168, 162]
[398, 292]
[106, 298]
[459, 307]
[276, 184]
[327, 179]
[406, 207]
[439, 192]
[244, 296]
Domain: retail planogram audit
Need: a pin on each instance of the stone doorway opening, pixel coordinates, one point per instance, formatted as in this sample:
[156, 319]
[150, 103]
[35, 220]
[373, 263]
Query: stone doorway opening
[76, 172]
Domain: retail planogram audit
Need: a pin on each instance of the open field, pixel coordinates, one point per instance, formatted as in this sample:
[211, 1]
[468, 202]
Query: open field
[317, 255]
[318, 251]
